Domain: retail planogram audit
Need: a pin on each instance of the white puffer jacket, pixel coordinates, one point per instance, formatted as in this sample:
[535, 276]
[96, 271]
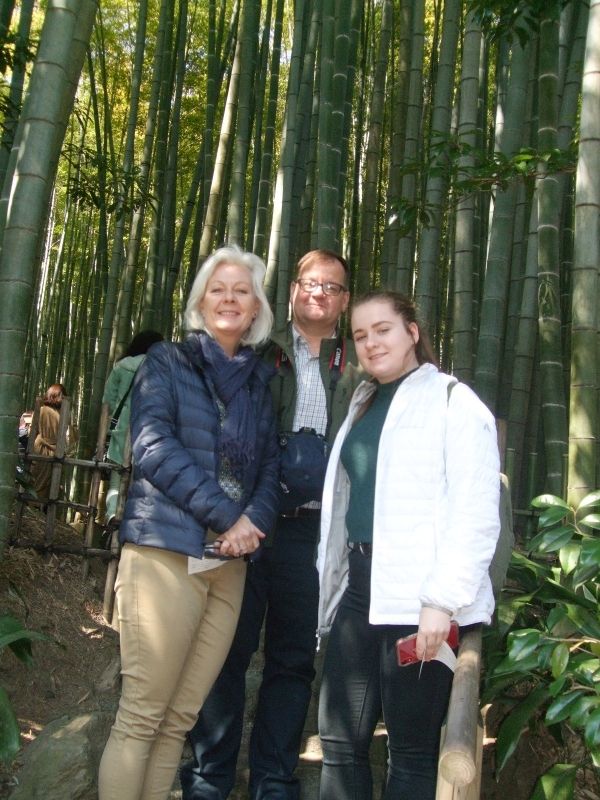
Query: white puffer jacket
[435, 521]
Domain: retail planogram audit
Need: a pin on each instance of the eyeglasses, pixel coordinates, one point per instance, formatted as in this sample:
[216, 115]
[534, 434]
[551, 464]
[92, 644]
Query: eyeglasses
[308, 285]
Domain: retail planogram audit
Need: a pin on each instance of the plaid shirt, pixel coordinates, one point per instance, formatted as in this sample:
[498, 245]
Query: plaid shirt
[311, 400]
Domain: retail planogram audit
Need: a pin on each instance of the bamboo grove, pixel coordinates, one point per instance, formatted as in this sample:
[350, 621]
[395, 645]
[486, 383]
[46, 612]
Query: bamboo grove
[449, 149]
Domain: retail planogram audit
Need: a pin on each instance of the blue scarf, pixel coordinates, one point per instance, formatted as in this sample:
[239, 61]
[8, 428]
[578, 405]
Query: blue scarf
[228, 379]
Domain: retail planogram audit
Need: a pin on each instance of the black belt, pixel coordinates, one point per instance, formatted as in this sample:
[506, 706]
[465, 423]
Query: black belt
[364, 548]
[301, 511]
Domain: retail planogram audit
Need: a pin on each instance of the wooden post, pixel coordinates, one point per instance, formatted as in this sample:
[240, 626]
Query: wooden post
[450, 791]
[460, 758]
[95, 482]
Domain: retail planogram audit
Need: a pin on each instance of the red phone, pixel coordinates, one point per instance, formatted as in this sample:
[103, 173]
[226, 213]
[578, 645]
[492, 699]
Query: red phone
[406, 648]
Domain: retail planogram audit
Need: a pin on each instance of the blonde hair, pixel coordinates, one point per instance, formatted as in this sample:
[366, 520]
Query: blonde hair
[261, 326]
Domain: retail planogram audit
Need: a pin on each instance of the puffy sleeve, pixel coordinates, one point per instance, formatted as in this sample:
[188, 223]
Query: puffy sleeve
[472, 527]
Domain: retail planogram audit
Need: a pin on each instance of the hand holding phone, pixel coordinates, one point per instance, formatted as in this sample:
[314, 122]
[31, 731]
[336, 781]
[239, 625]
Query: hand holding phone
[406, 647]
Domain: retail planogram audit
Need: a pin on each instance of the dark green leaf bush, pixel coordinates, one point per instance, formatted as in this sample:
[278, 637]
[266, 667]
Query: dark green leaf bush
[543, 655]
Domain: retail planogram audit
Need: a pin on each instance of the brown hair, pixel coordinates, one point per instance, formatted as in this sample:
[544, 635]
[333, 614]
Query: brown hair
[322, 254]
[54, 395]
[404, 307]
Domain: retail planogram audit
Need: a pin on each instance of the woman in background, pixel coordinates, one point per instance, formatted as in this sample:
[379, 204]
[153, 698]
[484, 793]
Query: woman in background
[117, 394]
[45, 440]
[205, 459]
[408, 528]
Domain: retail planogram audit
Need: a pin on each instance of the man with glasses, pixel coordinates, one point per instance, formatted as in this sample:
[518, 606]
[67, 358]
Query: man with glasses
[311, 390]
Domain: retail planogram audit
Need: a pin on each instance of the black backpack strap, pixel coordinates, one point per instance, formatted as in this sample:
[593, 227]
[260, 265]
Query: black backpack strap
[117, 414]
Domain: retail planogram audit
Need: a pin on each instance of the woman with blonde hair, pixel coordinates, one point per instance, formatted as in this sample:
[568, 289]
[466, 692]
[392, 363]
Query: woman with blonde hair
[205, 473]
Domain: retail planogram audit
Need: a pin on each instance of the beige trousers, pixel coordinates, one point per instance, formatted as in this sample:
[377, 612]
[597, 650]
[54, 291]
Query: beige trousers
[176, 630]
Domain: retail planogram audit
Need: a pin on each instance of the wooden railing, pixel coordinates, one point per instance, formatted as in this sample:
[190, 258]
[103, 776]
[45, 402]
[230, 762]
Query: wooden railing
[99, 469]
[459, 766]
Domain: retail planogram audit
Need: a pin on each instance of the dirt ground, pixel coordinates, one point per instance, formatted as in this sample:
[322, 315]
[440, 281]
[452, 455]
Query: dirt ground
[49, 594]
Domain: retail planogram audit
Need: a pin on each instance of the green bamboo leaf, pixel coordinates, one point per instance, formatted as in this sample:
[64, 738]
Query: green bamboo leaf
[556, 686]
[10, 638]
[561, 708]
[592, 730]
[553, 592]
[581, 710]
[592, 499]
[555, 622]
[590, 552]
[9, 624]
[591, 520]
[552, 540]
[548, 501]
[523, 643]
[569, 556]
[556, 784]
[586, 665]
[551, 516]
[588, 595]
[560, 659]
[9, 730]
[584, 574]
[544, 655]
[517, 668]
[586, 621]
[18, 638]
[522, 561]
[23, 651]
[515, 723]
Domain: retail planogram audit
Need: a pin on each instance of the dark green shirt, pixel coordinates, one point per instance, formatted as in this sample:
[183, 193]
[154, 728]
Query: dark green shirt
[359, 457]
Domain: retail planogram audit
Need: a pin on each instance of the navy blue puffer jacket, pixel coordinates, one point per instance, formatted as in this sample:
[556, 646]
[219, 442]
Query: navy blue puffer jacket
[174, 494]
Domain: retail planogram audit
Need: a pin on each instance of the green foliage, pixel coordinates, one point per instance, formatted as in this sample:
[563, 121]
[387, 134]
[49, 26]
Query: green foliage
[15, 53]
[18, 638]
[544, 653]
[514, 18]
[489, 171]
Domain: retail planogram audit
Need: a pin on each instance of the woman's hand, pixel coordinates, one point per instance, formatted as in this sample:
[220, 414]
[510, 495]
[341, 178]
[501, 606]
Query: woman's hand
[241, 539]
[434, 627]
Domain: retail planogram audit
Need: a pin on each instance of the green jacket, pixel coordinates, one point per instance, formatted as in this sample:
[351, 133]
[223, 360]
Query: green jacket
[118, 384]
[283, 384]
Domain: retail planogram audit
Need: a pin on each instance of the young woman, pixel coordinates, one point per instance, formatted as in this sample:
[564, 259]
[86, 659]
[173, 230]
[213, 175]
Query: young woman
[409, 526]
[205, 468]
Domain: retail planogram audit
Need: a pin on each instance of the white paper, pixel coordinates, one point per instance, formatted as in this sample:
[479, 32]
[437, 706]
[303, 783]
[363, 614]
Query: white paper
[446, 655]
[202, 564]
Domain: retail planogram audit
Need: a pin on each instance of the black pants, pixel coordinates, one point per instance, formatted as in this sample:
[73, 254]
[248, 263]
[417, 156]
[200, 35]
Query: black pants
[282, 588]
[361, 680]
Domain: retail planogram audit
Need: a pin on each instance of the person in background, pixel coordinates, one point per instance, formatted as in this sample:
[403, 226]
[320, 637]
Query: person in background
[45, 440]
[205, 472]
[117, 394]
[314, 381]
[409, 527]
[24, 430]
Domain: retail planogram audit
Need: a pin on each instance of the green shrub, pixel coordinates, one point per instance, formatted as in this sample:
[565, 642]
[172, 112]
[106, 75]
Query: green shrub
[543, 656]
